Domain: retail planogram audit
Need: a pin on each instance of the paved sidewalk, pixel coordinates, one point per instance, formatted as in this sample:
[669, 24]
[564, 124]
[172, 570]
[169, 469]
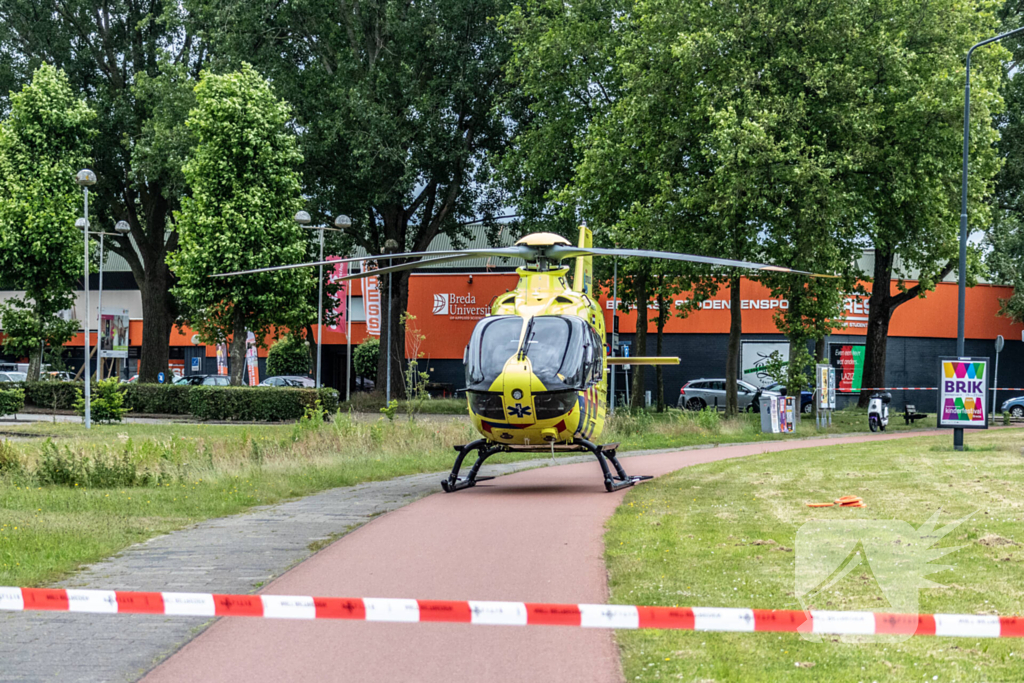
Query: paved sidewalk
[228, 555]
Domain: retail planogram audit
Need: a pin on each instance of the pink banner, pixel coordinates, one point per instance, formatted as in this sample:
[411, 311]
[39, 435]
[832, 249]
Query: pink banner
[341, 298]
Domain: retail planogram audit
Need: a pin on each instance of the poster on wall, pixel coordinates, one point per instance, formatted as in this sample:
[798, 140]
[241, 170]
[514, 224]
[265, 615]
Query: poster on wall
[371, 300]
[340, 297]
[755, 356]
[848, 360]
[963, 390]
[114, 333]
[252, 361]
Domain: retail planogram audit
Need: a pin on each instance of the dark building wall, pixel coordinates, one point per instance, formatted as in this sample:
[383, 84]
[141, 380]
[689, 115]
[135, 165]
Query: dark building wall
[910, 362]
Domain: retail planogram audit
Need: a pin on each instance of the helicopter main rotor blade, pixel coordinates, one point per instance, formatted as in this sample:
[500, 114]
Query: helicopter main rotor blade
[560, 252]
[502, 252]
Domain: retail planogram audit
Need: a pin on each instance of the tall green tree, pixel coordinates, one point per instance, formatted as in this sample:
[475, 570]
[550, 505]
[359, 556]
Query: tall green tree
[911, 139]
[245, 190]
[135, 61]
[44, 142]
[1006, 236]
[395, 101]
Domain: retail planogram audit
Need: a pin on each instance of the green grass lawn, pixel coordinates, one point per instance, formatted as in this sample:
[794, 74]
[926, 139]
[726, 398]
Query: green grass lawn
[725, 535]
[121, 484]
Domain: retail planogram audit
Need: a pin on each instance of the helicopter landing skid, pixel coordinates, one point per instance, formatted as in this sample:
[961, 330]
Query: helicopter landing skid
[485, 449]
[607, 453]
[454, 482]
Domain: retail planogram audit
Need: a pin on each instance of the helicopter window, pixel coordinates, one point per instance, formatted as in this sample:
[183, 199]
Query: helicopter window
[556, 348]
[494, 341]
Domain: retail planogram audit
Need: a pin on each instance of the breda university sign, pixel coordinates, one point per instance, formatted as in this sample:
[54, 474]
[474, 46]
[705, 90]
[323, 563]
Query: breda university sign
[963, 392]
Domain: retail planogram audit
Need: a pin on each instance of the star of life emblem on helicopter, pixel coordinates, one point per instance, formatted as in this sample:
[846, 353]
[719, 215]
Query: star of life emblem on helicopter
[519, 410]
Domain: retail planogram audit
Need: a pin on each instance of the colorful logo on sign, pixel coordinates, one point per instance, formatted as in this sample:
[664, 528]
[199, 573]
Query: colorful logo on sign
[962, 410]
[959, 370]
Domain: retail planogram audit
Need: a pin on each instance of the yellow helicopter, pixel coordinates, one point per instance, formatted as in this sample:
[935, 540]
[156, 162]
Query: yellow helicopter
[536, 366]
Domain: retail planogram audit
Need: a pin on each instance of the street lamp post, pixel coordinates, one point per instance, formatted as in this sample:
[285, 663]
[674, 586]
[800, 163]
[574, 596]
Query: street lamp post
[390, 246]
[302, 218]
[85, 178]
[342, 223]
[958, 434]
[120, 228]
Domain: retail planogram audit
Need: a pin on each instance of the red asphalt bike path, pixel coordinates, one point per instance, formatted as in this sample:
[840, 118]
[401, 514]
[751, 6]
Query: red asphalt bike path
[533, 536]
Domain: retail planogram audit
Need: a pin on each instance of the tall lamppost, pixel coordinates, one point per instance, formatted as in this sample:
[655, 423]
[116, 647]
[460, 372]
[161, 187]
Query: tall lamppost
[390, 247]
[122, 229]
[86, 178]
[958, 434]
[342, 223]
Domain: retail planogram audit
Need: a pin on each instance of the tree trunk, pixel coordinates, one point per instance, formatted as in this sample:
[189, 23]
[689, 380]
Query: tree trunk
[732, 359]
[819, 350]
[238, 338]
[662, 316]
[158, 314]
[879, 314]
[35, 362]
[640, 283]
[396, 344]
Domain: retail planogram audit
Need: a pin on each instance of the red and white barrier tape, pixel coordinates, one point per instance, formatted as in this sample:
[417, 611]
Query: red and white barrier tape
[899, 389]
[933, 389]
[509, 613]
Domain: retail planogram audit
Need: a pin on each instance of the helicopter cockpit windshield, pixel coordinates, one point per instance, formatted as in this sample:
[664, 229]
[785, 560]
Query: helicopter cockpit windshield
[562, 351]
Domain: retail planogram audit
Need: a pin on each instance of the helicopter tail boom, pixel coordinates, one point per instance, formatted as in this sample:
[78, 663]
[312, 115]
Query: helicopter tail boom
[643, 360]
[583, 280]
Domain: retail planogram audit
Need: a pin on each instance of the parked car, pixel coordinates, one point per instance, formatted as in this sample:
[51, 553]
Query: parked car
[204, 380]
[697, 394]
[288, 381]
[806, 397]
[57, 376]
[12, 376]
[1014, 406]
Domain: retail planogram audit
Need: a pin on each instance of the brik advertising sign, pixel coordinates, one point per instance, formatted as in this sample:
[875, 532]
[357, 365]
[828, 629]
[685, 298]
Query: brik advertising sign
[963, 388]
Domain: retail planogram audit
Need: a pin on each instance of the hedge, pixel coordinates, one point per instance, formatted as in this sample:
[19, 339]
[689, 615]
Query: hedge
[51, 394]
[257, 404]
[250, 404]
[165, 399]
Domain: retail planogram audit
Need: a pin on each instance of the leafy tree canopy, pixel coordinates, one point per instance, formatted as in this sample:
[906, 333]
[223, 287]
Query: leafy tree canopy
[44, 142]
[243, 174]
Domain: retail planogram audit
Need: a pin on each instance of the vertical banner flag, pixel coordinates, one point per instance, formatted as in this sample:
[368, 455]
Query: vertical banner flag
[338, 271]
[963, 391]
[371, 300]
[848, 360]
[222, 359]
[252, 360]
[114, 333]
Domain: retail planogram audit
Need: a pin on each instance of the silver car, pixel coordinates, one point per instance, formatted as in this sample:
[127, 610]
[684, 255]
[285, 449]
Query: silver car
[697, 394]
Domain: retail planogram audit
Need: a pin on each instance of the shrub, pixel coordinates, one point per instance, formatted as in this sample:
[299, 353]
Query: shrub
[107, 403]
[166, 399]
[366, 358]
[53, 394]
[288, 356]
[11, 401]
[10, 458]
[631, 421]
